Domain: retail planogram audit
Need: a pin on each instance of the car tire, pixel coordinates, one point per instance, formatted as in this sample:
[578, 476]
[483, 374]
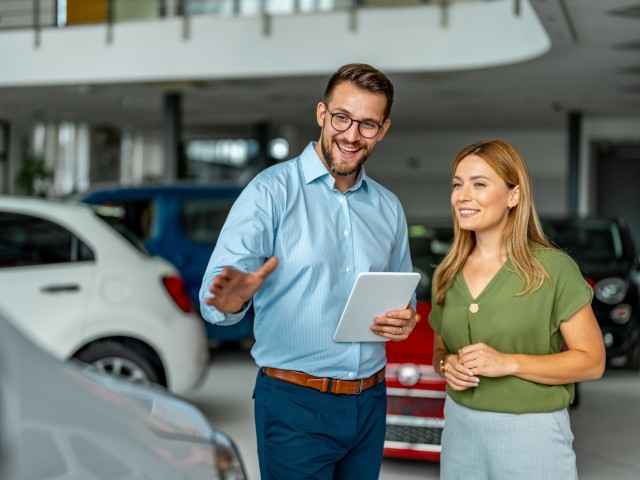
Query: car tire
[117, 359]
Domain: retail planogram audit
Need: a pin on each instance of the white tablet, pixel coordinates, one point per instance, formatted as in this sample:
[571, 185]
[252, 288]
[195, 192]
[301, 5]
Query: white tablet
[373, 294]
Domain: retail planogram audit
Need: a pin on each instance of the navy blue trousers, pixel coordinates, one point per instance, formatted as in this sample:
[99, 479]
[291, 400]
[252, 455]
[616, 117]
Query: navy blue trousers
[305, 434]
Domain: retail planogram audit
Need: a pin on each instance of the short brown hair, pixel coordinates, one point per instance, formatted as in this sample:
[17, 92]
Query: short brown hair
[364, 76]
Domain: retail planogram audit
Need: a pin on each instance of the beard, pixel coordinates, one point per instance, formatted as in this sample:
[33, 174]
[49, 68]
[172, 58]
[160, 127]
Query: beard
[325, 146]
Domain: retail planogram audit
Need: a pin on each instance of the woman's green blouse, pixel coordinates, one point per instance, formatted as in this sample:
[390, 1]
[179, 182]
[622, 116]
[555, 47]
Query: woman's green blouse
[512, 323]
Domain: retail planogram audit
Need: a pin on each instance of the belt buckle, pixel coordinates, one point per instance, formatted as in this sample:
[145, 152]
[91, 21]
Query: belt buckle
[360, 384]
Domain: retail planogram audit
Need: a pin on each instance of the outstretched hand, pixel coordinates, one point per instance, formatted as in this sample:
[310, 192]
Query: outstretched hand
[232, 288]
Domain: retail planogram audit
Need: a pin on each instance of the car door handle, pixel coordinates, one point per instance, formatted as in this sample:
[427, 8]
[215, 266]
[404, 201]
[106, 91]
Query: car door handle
[60, 288]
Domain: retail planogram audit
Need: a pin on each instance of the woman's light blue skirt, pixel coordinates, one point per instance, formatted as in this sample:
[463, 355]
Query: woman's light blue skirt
[482, 445]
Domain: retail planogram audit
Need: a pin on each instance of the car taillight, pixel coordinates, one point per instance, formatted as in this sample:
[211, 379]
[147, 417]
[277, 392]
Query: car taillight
[178, 293]
[591, 282]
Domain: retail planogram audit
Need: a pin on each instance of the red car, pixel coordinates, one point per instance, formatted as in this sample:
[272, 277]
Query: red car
[415, 393]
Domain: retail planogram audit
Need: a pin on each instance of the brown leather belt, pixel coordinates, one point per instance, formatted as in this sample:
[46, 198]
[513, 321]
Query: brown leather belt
[324, 385]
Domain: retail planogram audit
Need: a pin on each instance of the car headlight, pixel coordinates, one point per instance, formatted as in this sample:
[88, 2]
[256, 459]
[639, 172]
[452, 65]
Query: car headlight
[611, 290]
[408, 375]
[607, 338]
[227, 460]
[621, 314]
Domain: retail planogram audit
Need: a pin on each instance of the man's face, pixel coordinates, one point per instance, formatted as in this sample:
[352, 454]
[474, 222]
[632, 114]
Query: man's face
[344, 152]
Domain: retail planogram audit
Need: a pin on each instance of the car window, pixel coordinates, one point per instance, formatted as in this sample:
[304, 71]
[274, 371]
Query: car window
[29, 240]
[428, 246]
[202, 219]
[587, 241]
[135, 215]
[113, 216]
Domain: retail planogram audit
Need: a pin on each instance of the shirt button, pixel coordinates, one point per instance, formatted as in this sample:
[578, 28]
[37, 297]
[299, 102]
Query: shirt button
[474, 307]
[351, 374]
[346, 233]
[348, 269]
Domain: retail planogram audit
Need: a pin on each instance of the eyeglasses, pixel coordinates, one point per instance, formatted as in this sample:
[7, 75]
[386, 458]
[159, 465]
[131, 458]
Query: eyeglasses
[342, 122]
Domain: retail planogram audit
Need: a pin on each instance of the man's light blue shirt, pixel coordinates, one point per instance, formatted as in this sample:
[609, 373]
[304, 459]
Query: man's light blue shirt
[322, 238]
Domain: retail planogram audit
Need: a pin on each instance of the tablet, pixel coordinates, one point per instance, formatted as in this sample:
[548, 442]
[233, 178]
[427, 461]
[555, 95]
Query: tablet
[373, 294]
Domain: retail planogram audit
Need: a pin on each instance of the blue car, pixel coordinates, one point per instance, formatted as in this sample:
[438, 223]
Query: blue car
[180, 223]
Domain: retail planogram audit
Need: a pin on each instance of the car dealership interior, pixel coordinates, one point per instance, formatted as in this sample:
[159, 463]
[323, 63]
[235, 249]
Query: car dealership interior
[151, 116]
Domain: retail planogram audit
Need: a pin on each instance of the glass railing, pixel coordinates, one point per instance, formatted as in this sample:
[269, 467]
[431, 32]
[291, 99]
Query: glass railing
[61, 13]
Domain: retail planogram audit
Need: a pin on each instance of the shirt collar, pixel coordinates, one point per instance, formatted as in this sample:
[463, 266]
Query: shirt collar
[313, 168]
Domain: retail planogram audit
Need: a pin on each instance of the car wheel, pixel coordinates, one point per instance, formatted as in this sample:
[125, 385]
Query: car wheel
[114, 358]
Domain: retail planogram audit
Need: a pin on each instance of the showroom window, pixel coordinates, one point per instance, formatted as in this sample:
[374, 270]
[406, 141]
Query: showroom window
[27, 240]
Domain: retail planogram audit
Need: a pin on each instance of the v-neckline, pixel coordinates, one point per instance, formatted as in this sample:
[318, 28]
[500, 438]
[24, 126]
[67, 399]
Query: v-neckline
[486, 287]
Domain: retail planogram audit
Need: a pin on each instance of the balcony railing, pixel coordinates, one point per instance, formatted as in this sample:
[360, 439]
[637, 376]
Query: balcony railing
[44, 14]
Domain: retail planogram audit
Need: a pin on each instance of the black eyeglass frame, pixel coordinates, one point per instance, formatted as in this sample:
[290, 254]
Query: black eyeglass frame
[351, 120]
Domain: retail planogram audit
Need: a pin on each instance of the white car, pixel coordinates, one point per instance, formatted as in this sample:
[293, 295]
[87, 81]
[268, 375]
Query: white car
[80, 287]
[60, 422]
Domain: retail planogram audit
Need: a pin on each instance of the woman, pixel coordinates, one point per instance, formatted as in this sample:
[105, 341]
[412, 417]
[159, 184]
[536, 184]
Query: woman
[514, 328]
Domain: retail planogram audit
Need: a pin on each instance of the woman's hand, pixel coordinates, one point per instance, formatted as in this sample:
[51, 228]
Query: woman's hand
[458, 376]
[480, 359]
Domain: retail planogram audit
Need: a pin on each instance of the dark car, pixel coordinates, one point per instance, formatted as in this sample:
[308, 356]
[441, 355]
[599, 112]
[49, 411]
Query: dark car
[605, 252]
[429, 242]
[180, 223]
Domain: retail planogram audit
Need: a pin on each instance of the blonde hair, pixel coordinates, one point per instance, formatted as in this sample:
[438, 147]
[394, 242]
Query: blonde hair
[523, 231]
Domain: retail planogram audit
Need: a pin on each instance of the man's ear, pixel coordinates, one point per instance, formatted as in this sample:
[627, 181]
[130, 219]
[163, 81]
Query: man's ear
[386, 125]
[321, 111]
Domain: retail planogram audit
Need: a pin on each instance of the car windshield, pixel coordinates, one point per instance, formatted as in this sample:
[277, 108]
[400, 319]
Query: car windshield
[202, 218]
[590, 241]
[112, 216]
[428, 245]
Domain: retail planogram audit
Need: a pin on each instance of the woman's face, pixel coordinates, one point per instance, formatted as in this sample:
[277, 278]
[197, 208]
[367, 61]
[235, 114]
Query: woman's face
[480, 198]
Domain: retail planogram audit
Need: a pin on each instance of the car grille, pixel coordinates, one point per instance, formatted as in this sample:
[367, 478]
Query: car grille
[415, 406]
[413, 434]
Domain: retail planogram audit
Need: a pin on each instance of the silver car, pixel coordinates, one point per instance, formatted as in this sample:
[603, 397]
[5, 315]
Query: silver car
[63, 422]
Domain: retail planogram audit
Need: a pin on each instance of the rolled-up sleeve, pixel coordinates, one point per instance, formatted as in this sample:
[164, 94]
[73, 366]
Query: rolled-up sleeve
[245, 243]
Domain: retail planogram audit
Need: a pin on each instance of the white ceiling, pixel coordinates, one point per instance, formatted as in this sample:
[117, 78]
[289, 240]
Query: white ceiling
[588, 68]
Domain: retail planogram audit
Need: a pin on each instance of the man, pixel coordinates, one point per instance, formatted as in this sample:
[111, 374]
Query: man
[293, 243]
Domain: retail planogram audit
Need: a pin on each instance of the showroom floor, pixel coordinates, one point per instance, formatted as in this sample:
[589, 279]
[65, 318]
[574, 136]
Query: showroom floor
[606, 425]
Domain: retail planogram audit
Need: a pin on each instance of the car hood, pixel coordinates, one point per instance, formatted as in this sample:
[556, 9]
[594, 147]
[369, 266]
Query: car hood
[597, 270]
[57, 419]
[164, 413]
